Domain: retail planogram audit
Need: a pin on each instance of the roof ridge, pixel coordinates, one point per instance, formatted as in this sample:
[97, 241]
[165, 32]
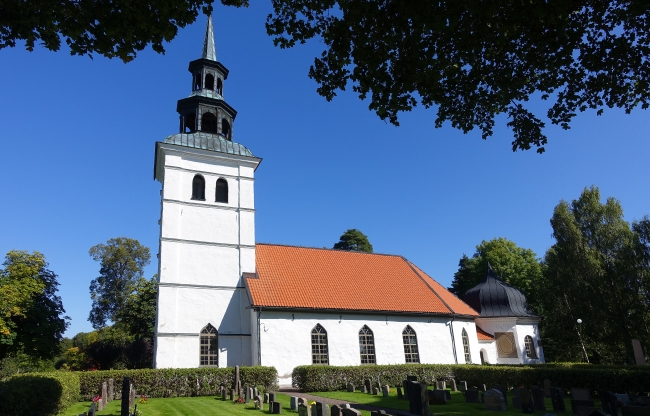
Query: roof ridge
[329, 249]
[412, 266]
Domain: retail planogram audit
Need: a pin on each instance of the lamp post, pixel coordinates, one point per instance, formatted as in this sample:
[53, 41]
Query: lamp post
[580, 337]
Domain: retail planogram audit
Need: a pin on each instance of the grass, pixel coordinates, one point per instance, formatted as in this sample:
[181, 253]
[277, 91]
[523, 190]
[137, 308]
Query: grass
[456, 407]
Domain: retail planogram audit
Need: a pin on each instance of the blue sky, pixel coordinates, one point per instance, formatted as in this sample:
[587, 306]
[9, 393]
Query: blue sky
[78, 136]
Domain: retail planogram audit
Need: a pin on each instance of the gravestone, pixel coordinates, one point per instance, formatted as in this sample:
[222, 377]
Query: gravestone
[275, 408]
[111, 390]
[266, 397]
[132, 396]
[643, 400]
[577, 404]
[247, 397]
[526, 401]
[399, 393]
[232, 394]
[368, 383]
[418, 399]
[580, 394]
[463, 386]
[635, 411]
[375, 391]
[516, 398]
[441, 385]
[538, 399]
[483, 388]
[639, 357]
[335, 410]
[624, 399]
[224, 394]
[302, 401]
[104, 398]
[92, 410]
[494, 400]
[385, 390]
[471, 396]
[100, 405]
[557, 398]
[304, 410]
[598, 412]
[126, 388]
[411, 378]
[580, 398]
[547, 388]
[237, 381]
[322, 409]
[437, 396]
[453, 385]
[609, 402]
[350, 388]
[271, 397]
[293, 403]
[350, 412]
[255, 392]
[345, 406]
[503, 390]
[587, 411]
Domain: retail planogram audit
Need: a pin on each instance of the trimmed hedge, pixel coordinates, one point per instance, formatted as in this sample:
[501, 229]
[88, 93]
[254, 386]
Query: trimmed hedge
[620, 378]
[177, 382]
[38, 394]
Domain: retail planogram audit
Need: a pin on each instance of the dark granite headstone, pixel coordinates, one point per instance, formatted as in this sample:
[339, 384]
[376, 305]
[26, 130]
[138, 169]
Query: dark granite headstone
[247, 398]
[588, 411]
[580, 394]
[516, 402]
[411, 378]
[463, 386]
[624, 399]
[368, 383]
[576, 404]
[494, 400]
[266, 398]
[276, 408]
[418, 399]
[335, 410]
[293, 403]
[271, 397]
[304, 410]
[126, 388]
[399, 393]
[437, 396]
[557, 398]
[538, 399]
[322, 409]
[526, 401]
[350, 388]
[92, 410]
[504, 392]
[547, 387]
[350, 412]
[471, 396]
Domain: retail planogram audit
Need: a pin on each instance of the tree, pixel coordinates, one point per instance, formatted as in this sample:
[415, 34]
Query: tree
[354, 240]
[31, 321]
[139, 314]
[517, 266]
[122, 263]
[596, 271]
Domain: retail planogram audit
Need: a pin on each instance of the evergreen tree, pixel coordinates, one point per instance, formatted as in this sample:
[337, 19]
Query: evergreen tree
[354, 240]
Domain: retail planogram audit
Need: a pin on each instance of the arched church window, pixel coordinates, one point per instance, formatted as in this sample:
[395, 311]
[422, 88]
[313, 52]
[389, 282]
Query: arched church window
[367, 346]
[209, 123]
[468, 357]
[225, 128]
[319, 345]
[410, 345]
[219, 86]
[530, 347]
[209, 340]
[189, 123]
[198, 188]
[196, 81]
[209, 82]
[221, 194]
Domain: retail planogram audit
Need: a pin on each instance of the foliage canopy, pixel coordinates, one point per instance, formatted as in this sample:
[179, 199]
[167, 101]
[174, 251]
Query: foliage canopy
[354, 240]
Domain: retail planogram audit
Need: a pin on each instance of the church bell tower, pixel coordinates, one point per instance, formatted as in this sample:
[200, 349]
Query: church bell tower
[207, 228]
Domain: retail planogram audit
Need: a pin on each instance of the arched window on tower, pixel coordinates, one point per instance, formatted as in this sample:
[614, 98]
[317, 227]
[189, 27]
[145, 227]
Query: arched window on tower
[367, 346]
[209, 123]
[198, 188]
[410, 345]
[319, 345]
[189, 122]
[209, 340]
[219, 86]
[468, 357]
[225, 128]
[221, 194]
[209, 82]
[530, 347]
[196, 81]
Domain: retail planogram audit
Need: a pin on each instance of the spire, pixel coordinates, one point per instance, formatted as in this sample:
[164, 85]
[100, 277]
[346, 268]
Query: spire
[208, 42]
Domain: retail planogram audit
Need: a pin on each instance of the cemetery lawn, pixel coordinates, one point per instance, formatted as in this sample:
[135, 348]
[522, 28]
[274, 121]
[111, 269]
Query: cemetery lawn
[456, 407]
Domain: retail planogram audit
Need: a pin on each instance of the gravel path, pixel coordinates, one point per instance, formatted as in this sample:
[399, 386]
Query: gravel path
[327, 400]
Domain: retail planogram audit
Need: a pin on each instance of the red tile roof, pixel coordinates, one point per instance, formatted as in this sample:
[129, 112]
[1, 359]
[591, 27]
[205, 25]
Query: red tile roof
[300, 277]
[482, 335]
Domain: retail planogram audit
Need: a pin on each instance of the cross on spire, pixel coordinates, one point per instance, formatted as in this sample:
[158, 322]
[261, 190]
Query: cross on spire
[208, 43]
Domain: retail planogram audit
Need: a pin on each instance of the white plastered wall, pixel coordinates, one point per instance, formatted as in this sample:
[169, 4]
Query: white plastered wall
[520, 327]
[205, 246]
[285, 338]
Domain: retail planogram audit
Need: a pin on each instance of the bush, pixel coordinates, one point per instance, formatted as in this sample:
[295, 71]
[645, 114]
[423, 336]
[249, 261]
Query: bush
[594, 377]
[177, 382]
[38, 394]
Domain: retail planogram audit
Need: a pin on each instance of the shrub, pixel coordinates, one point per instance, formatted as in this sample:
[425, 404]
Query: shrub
[38, 394]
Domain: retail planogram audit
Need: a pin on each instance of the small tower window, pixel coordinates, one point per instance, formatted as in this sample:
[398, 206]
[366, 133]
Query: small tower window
[209, 354]
[198, 188]
[410, 345]
[225, 128]
[189, 123]
[209, 82]
[319, 345]
[530, 347]
[367, 346]
[209, 123]
[219, 86]
[221, 194]
[468, 357]
[196, 81]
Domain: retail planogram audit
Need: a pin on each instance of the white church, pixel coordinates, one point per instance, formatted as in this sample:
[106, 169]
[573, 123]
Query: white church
[225, 300]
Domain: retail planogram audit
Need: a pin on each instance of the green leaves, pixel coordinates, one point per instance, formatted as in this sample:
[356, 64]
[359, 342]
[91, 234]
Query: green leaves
[354, 240]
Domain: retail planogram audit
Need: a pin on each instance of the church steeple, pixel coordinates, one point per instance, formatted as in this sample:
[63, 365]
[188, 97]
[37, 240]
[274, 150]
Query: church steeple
[205, 110]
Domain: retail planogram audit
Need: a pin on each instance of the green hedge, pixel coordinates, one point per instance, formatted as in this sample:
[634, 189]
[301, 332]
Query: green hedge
[168, 382]
[620, 378]
[38, 394]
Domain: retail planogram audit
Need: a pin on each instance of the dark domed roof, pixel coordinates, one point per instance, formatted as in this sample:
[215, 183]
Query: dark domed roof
[494, 297]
